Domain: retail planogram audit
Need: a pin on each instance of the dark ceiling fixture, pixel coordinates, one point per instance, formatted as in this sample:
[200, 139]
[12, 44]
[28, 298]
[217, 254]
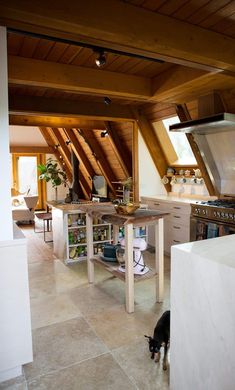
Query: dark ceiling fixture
[104, 134]
[83, 44]
[107, 100]
[101, 58]
[68, 142]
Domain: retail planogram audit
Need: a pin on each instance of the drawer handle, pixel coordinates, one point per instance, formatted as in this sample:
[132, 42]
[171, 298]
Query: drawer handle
[176, 241]
[177, 207]
[176, 216]
[176, 227]
[156, 204]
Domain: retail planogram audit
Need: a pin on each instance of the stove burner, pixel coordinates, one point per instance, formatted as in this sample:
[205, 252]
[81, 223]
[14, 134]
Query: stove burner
[223, 203]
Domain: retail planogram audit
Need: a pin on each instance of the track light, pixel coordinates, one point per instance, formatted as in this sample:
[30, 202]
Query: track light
[68, 142]
[104, 134]
[56, 146]
[107, 100]
[101, 59]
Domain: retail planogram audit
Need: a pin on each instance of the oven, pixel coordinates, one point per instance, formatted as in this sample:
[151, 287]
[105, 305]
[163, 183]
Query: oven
[212, 219]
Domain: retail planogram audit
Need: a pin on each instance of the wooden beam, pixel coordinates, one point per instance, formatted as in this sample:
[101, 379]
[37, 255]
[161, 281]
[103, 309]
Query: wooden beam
[98, 153]
[67, 155]
[120, 150]
[81, 155]
[184, 115]
[51, 143]
[31, 72]
[31, 149]
[124, 27]
[153, 145]
[37, 105]
[135, 163]
[49, 121]
[181, 84]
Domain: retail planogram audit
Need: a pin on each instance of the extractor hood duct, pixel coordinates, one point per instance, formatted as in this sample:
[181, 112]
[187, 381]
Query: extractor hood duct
[211, 118]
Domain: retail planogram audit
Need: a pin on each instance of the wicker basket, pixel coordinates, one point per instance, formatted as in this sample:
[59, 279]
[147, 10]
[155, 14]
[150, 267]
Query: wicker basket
[126, 209]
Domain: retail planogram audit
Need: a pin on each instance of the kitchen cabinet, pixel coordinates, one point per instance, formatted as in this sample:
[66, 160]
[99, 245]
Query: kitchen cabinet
[176, 224]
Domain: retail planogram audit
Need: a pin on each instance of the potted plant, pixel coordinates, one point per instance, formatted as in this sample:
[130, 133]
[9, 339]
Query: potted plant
[52, 172]
[127, 187]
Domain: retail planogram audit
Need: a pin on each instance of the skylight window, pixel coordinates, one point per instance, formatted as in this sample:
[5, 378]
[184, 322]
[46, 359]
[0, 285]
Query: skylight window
[180, 143]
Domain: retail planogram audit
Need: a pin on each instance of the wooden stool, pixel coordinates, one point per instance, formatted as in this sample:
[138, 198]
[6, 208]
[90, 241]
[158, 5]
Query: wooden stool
[46, 218]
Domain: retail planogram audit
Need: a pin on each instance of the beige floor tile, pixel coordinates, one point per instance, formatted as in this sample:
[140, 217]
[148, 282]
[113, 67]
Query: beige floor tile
[117, 328]
[18, 383]
[101, 373]
[51, 309]
[144, 372]
[60, 345]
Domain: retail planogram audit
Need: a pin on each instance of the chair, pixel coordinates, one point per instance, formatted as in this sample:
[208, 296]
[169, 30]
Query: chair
[46, 218]
[23, 210]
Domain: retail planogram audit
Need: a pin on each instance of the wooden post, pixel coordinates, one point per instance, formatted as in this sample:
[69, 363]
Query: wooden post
[129, 281]
[159, 260]
[135, 163]
[6, 232]
[90, 250]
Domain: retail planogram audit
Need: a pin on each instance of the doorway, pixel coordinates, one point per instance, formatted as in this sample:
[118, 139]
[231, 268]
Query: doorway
[25, 176]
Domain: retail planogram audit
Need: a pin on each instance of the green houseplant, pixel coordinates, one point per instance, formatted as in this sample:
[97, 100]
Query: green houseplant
[50, 171]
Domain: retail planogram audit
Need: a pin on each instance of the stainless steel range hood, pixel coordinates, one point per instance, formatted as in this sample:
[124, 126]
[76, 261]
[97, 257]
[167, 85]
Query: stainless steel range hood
[217, 123]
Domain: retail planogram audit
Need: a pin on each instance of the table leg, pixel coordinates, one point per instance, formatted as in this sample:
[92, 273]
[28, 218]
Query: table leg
[115, 234]
[129, 281]
[159, 260]
[90, 249]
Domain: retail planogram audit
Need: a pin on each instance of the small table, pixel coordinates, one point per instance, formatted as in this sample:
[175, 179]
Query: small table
[139, 218]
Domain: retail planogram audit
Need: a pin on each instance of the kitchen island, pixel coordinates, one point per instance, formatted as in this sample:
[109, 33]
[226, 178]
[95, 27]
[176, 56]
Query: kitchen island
[106, 212]
[203, 314]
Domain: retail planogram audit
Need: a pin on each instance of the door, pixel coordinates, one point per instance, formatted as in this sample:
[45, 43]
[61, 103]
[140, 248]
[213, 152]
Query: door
[25, 175]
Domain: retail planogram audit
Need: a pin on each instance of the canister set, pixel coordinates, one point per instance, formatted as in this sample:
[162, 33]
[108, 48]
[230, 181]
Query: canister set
[182, 177]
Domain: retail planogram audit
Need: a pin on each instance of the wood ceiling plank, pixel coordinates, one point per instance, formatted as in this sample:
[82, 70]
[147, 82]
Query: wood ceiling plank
[214, 18]
[119, 149]
[100, 159]
[65, 150]
[169, 7]
[32, 105]
[154, 39]
[56, 51]
[28, 47]
[184, 12]
[65, 77]
[153, 145]
[50, 121]
[14, 43]
[51, 143]
[43, 48]
[78, 149]
[204, 12]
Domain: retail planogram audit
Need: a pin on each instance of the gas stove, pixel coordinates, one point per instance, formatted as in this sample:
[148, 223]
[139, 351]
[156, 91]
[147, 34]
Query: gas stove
[221, 210]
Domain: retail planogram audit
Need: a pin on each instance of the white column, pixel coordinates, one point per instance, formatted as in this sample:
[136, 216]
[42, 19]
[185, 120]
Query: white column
[129, 277]
[6, 230]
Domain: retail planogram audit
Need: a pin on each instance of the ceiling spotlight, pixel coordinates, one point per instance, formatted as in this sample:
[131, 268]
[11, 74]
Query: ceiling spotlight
[101, 59]
[68, 142]
[104, 134]
[107, 100]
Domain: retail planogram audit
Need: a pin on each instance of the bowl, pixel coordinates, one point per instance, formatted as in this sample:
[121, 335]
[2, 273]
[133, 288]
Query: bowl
[126, 209]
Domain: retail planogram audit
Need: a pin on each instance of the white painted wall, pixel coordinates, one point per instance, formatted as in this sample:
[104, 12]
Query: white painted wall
[149, 179]
[26, 136]
[6, 231]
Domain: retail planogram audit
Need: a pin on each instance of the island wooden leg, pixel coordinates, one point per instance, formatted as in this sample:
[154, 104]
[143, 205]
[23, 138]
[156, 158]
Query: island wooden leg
[129, 281]
[90, 249]
[115, 234]
[159, 260]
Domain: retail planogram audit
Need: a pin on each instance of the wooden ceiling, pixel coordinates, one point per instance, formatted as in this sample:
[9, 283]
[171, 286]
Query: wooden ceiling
[159, 54]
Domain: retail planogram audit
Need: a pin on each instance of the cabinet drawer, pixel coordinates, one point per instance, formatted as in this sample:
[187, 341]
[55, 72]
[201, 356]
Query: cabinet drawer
[179, 233]
[180, 219]
[157, 205]
[184, 209]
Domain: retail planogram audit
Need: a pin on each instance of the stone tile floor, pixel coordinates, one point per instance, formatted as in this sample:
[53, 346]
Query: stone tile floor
[83, 339]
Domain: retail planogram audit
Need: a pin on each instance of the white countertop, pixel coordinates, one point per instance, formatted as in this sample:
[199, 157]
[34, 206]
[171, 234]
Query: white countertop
[220, 250]
[176, 198]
